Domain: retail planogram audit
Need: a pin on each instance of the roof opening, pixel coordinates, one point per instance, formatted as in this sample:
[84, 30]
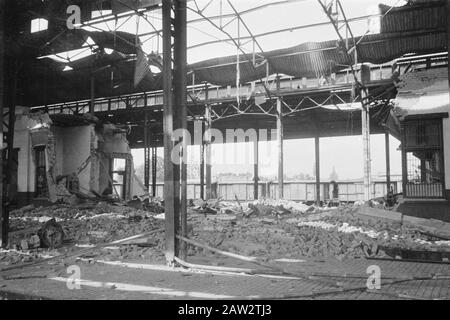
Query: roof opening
[101, 8]
[39, 24]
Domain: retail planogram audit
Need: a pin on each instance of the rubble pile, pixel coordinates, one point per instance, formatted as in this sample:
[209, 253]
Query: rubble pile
[36, 230]
[273, 238]
[10, 257]
[268, 229]
[277, 229]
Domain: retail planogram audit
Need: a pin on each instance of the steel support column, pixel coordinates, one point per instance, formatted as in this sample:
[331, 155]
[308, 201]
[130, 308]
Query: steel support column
[280, 150]
[154, 163]
[146, 154]
[255, 167]
[365, 121]
[388, 162]
[365, 125]
[208, 151]
[202, 166]
[170, 185]
[92, 88]
[317, 150]
[180, 83]
[2, 100]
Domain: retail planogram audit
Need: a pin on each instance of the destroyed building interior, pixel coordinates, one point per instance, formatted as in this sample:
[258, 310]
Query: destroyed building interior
[72, 193]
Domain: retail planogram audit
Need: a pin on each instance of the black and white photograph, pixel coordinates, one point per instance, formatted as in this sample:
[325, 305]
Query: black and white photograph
[225, 157]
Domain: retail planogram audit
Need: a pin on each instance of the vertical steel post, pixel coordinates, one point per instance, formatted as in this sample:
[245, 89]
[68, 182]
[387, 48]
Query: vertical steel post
[280, 138]
[317, 150]
[208, 151]
[180, 84]
[92, 87]
[256, 167]
[146, 153]
[388, 162]
[2, 100]
[365, 124]
[280, 150]
[154, 162]
[366, 146]
[202, 151]
[202, 168]
[171, 216]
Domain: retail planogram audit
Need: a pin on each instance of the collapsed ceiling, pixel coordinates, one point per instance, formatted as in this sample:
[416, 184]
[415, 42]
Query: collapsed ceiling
[418, 28]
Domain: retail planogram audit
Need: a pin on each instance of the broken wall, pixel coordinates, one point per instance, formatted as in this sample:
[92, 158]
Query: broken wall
[113, 143]
[76, 150]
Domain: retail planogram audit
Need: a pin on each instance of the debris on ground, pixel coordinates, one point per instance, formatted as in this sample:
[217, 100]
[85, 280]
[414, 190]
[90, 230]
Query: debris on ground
[283, 229]
[36, 231]
[267, 228]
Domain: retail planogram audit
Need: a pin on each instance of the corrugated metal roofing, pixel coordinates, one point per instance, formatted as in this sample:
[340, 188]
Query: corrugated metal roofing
[419, 29]
[423, 92]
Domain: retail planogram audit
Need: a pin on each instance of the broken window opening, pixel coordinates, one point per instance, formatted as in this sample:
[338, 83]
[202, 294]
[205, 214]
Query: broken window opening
[120, 173]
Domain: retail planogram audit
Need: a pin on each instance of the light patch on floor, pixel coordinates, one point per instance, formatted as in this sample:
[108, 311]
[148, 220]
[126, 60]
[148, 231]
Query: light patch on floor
[145, 289]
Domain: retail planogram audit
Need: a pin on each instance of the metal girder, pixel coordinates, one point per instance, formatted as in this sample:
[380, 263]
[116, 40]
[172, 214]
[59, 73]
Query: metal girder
[236, 43]
[333, 9]
[174, 79]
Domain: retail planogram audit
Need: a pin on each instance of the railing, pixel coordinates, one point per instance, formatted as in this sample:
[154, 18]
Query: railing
[196, 92]
[293, 190]
[424, 190]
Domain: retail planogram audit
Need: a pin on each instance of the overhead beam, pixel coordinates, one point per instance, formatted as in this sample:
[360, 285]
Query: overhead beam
[269, 33]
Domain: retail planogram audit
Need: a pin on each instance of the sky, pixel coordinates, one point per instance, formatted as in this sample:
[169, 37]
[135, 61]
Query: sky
[345, 154]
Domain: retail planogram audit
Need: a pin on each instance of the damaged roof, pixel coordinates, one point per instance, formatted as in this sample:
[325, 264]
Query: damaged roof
[423, 92]
[416, 28]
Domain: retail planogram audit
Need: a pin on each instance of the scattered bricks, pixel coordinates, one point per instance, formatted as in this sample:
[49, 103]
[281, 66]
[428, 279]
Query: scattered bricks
[35, 242]
[24, 245]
